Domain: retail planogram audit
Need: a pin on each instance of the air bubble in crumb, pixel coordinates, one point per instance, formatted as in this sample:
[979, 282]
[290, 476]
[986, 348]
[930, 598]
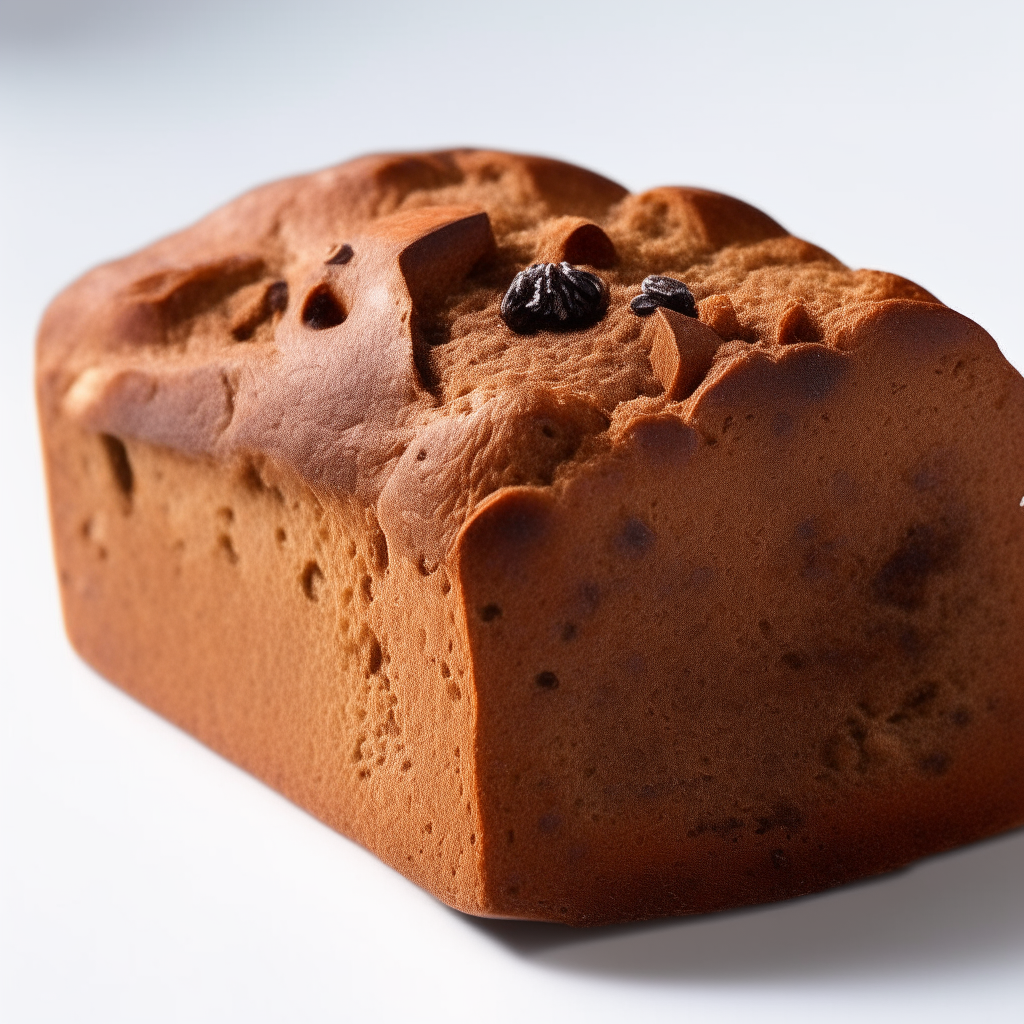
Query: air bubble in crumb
[312, 578]
[374, 656]
[120, 466]
[226, 545]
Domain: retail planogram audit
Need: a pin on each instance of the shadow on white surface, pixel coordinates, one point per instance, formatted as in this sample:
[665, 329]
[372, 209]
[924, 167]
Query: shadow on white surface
[959, 911]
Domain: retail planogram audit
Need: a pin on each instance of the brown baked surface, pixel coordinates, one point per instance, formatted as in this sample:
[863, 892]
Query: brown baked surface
[663, 616]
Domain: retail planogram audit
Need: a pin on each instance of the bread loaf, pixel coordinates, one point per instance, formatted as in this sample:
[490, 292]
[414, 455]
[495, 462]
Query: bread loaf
[587, 556]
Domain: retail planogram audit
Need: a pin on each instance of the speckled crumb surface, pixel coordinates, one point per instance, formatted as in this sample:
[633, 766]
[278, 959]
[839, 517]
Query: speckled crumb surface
[662, 616]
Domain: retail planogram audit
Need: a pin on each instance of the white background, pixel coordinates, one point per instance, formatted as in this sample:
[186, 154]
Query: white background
[144, 879]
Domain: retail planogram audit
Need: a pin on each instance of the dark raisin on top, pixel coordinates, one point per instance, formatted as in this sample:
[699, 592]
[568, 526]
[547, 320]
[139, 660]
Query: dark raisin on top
[663, 291]
[342, 256]
[553, 297]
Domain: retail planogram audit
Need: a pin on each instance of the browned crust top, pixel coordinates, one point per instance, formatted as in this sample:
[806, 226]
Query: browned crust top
[346, 325]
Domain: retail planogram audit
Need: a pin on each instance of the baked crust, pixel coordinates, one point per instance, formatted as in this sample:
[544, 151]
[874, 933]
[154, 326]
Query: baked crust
[663, 616]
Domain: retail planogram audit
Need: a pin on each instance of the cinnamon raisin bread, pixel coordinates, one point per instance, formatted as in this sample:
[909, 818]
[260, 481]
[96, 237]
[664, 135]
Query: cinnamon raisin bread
[587, 556]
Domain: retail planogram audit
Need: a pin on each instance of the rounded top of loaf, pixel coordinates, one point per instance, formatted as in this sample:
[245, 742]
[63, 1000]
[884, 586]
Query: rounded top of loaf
[347, 325]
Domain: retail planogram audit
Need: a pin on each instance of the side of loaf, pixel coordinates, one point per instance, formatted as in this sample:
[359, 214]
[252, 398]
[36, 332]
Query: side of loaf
[710, 596]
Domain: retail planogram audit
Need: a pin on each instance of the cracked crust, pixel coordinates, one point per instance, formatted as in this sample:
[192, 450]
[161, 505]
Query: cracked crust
[684, 612]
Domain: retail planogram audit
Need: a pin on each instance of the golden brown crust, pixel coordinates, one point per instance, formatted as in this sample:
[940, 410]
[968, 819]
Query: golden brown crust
[415, 339]
[665, 615]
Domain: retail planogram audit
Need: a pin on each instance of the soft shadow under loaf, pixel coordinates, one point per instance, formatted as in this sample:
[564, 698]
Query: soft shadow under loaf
[958, 912]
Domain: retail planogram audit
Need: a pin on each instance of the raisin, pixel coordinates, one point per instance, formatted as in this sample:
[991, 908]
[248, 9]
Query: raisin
[663, 291]
[553, 297]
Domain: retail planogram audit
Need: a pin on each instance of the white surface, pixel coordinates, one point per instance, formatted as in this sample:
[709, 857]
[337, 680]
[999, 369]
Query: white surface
[144, 879]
